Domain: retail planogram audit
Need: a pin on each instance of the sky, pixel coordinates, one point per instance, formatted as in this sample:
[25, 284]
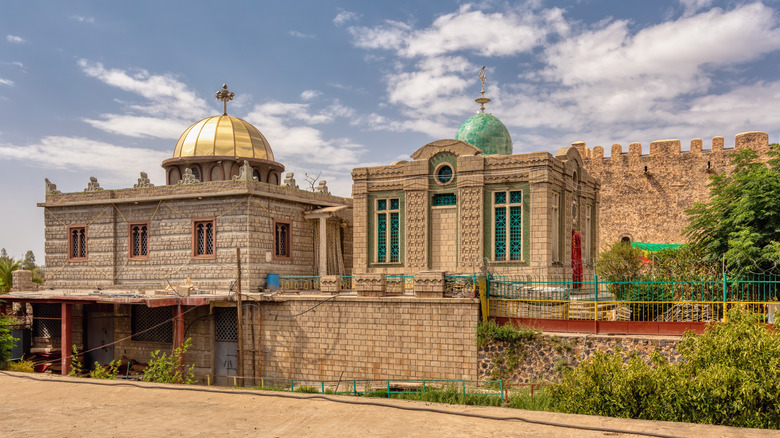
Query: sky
[104, 89]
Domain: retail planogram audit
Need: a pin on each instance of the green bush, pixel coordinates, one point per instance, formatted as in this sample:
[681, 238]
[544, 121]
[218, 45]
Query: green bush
[108, 372]
[307, 389]
[730, 375]
[165, 368]
[7, 342]
[21, 366]
[490, 331]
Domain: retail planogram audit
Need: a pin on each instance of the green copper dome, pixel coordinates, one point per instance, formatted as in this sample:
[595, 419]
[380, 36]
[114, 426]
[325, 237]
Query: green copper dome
[487, 133]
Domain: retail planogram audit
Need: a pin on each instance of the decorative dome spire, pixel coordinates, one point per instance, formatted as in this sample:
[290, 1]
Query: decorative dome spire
[225, 96]
[484, 130]
[482, 100]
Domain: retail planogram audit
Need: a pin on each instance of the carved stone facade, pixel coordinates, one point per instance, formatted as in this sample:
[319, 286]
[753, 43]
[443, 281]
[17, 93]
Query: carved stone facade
[459, 207]
[644, 196]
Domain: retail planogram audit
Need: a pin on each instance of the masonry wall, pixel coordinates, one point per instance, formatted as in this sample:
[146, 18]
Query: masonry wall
[543, 358]
[368, 338]
[244, 220]
[644, 195]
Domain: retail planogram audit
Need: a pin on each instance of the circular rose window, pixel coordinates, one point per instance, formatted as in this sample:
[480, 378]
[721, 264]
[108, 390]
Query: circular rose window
[444, 174]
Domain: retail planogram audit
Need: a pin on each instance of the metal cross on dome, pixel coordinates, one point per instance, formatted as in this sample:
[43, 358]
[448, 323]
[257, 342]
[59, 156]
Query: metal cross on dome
[482, 100]
[225, 95]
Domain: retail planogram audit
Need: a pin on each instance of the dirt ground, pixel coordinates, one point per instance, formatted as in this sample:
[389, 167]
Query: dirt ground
[71, 407]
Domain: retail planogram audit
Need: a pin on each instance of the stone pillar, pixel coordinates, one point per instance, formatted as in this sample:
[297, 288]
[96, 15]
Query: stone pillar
[22, 281]
[429, 284]
[323, 246]
[330, 284]
[369, 285]
[66, 336]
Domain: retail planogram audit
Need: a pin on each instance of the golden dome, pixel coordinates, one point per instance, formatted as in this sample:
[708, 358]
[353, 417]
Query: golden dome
[224, 136]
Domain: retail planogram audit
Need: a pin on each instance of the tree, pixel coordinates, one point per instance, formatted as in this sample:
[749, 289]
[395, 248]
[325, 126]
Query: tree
[740, 224]
[7, 266]
[3, 254]
[29, 261]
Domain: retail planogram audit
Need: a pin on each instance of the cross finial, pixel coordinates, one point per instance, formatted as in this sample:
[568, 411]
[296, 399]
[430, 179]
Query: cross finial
[482, 100]
[224, 95]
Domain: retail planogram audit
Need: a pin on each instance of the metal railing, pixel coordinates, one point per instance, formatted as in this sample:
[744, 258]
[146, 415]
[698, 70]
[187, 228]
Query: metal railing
[461, 286]
[299, 282]
[399, 284]
[345, 283]
[370, 387]
[645, 299]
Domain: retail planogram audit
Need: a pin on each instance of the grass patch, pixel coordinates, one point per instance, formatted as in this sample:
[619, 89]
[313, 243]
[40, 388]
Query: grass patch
[490, 331]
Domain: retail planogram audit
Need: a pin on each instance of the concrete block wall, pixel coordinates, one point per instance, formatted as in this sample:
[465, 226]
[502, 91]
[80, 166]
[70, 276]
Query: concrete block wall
[370, 338]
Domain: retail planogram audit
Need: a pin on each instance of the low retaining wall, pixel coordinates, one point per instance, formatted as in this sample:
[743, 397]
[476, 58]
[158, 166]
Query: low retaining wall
[369, 338]
[542, 359]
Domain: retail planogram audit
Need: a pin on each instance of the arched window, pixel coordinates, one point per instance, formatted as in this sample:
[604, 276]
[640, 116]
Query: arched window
[203, 238]
[196, 172]
[139, 240]
[273, 178]
[217, 173]
[174, 176]
[256, 174]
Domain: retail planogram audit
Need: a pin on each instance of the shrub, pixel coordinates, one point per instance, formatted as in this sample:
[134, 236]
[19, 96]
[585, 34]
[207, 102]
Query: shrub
[21, 366]
[170, 369]
[307, 389]
[730, 375]
[108, 372]
[7, 342]
[490, 331]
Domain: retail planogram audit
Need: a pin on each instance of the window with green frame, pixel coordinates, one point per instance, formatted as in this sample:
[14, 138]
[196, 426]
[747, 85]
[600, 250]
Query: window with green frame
[388, 225]
[508, 225]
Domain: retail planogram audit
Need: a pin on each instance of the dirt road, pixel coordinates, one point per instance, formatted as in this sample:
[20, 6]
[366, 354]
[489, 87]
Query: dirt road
[70, 407]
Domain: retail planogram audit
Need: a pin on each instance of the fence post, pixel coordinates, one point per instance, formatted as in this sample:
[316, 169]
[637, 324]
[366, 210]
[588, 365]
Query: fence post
[724, 297]
[595, 297]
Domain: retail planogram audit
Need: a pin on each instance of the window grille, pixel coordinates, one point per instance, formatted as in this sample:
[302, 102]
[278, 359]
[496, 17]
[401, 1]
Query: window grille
[388, 230]
[225, 324]
[139, 240]
[444, 199]
[444, 174]
[47, 320]
[152, 324]
[508, 225]
[77, 243]
[282, 239]
[204, 238]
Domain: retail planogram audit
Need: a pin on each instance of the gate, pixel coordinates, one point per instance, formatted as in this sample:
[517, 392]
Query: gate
[225, 344]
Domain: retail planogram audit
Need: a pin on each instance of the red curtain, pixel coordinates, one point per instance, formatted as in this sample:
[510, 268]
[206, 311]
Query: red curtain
[576, 259]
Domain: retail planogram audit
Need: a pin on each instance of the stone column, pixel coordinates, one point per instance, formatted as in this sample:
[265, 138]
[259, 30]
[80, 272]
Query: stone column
[323, 270]
[330, 284]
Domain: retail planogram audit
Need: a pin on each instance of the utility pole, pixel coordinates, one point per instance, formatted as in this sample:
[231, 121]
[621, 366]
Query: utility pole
[239, 320]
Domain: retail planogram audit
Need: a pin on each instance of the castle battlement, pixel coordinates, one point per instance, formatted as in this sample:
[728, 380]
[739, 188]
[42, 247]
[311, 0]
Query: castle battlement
[671, 148]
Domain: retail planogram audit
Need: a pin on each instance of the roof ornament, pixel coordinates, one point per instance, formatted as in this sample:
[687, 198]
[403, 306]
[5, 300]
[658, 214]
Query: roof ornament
[224, 95]
[482, 100]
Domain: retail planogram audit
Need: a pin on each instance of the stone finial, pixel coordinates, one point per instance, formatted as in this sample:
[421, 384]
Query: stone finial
[245, 173]
[322, 188]
[143, 181]
[93, 185]
[51, 188]
[189, 177]
[289, 181]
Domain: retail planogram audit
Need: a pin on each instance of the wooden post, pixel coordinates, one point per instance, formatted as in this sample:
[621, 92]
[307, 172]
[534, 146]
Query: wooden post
[239, 320]
[66, 337]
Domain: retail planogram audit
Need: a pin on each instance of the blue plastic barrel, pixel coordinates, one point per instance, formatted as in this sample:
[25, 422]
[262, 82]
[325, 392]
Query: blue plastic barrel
[273, 282]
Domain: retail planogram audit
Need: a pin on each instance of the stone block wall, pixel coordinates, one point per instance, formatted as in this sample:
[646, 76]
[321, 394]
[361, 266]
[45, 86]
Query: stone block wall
[644, 196]
[541, 359]
[369, 338]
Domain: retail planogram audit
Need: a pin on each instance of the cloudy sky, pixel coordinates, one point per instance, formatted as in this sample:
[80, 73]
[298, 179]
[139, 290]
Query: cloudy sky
[105, 89]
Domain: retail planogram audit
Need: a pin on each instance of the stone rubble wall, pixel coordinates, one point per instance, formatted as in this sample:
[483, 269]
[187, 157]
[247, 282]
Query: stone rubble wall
[542, 359]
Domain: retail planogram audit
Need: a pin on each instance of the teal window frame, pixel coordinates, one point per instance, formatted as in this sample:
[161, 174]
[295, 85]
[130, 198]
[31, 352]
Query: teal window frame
[507, 225]
[387, 214]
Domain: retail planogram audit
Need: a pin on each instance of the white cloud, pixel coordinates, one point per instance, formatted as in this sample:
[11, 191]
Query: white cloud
[83, 19]
[513, 31]
[344, 17]
[169, 108]
[310, 94]
[18, 64]
[301, 35]
[692, 6]
[15, 39]
[8, 82]
[116, 164]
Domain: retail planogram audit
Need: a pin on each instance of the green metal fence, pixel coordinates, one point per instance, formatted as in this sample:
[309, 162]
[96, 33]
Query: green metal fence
[383, 387]
[399, 284]
[461, 286]
[299, 282]
[642, 299]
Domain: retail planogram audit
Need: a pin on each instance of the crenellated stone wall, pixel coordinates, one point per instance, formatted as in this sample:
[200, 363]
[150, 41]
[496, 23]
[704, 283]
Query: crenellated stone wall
[644, 196]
